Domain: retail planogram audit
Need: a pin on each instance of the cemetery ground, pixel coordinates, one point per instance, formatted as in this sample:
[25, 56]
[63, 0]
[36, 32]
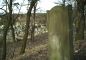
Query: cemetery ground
[38, 49]
[35, 50]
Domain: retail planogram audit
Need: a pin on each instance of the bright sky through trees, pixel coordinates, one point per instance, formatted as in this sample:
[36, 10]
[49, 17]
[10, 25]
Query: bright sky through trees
[43, 5]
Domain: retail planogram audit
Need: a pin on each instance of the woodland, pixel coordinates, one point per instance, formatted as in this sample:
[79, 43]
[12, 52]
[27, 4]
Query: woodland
[53, 35]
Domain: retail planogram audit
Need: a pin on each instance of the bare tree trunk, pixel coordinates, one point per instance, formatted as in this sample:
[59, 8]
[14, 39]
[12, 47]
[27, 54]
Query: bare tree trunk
[70, 13]
[33, 24]
[12, 23]
[5, 31]
[27, 26]
[4, 42]
[81, 24]
[63, 2]
[13, 32]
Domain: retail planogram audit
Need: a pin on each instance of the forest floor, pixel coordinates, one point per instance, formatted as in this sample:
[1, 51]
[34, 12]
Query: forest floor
[35, 50]
[38, 49]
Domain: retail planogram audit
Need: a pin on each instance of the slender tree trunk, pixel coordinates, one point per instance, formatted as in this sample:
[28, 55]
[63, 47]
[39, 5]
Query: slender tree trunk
[33, 24]
[13, 32]
[70, 13]
[12, 28]
[27, 27]
[12, 23]
[63, 2]
[81, 24]
[6, 30]
[4, 42]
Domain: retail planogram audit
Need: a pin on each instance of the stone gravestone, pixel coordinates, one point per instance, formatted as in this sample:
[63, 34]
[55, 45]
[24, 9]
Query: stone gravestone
[60, 46]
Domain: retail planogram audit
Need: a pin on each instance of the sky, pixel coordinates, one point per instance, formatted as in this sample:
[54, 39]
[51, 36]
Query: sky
[43, 5]
[46, 4]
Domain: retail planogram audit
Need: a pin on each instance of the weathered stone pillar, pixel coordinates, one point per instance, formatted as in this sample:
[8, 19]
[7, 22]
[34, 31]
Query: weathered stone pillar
[59, 30]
